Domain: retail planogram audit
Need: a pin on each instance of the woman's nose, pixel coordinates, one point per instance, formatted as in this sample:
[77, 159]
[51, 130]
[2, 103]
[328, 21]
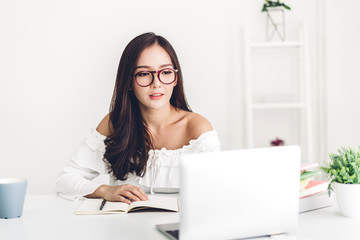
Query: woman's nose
[156, 82]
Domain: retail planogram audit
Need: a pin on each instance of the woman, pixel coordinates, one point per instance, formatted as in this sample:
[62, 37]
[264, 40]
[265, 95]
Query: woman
[148, 128]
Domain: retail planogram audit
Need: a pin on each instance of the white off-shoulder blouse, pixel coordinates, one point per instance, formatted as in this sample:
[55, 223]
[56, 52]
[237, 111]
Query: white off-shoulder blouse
[162, 173]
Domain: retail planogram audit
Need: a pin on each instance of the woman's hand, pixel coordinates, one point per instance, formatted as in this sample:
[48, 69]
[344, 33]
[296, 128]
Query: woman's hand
[122, 193]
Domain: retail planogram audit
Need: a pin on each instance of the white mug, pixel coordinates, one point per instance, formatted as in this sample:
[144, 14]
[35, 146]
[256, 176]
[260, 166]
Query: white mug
[12, 197]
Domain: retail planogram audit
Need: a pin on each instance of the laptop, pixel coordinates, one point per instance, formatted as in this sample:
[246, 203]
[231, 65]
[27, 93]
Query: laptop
[238, 194]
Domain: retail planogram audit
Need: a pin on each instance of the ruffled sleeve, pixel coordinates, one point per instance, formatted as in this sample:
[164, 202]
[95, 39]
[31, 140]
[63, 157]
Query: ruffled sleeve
[87, 163]
[207, 142]
[163, 173]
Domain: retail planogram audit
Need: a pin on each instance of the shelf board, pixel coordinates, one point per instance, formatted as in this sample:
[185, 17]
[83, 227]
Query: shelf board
[277, 105]
[277, 44]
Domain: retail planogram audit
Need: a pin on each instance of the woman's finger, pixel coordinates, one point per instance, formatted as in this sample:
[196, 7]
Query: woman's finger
[123, 199]
[131, 196]
[143, 193]
[139, 193]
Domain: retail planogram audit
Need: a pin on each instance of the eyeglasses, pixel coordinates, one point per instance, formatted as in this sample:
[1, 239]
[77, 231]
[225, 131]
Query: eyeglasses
[146, 78]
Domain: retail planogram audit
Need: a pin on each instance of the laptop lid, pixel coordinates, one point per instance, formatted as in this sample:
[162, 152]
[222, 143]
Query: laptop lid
[239, 193]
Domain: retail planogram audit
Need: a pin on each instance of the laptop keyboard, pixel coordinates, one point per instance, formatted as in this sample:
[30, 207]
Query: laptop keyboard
[174, 233]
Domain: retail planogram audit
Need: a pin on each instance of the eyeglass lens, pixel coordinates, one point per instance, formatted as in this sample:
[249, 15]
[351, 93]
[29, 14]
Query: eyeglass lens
[166, 76]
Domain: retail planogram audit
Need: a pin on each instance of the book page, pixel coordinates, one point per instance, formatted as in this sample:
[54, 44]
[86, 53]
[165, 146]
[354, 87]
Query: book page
[115, 206]
[92, 206]
[156, 202]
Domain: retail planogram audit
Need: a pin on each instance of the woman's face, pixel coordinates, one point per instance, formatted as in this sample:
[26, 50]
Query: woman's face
[157, 95]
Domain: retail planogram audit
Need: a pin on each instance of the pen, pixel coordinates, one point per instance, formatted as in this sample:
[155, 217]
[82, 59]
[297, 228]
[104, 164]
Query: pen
[102, 204]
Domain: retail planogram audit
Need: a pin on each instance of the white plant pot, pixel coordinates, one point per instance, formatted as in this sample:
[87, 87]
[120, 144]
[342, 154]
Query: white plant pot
[275, 23]
[348, 198]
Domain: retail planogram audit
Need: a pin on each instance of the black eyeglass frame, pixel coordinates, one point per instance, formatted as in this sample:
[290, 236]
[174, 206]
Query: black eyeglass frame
[158, 75]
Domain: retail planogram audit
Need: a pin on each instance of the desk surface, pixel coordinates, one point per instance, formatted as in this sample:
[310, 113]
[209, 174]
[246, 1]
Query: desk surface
[51, 217]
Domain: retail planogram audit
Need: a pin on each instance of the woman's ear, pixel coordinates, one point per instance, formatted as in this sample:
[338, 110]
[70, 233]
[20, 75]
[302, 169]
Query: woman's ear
[175, 83]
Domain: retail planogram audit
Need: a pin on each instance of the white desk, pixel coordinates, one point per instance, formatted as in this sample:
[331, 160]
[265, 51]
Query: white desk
[51, 217]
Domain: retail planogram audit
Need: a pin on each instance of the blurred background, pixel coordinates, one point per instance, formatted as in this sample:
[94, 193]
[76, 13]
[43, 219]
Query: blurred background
[58, 63]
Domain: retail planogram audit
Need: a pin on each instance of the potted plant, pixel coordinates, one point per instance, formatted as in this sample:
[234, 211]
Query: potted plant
[275, 18]
[343, 171]
[277, 142]
[270, 4]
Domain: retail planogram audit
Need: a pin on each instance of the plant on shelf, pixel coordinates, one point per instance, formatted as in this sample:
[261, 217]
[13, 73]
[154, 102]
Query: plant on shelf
[275, 20]
[343, 171]
[277, 142]
[270, 4]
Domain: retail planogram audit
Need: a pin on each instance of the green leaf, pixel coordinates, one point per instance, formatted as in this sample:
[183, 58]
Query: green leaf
[286, 6]
[338, 179]
[343, 167]
[270, 4]
[342, 171]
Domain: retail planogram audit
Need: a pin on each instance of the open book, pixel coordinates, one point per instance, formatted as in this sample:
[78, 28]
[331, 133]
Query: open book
[155, 203]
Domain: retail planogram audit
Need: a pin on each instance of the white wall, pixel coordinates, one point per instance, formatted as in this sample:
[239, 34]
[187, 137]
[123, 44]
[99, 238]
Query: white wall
[59, 61]
[343, 74]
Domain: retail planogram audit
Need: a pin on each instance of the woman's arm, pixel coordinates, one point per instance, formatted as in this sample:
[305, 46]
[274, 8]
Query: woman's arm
[200, 128]
[197, 125]
[105, 127]
[87, 163]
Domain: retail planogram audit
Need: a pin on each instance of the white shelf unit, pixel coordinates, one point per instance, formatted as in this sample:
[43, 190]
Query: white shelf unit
[303, 104]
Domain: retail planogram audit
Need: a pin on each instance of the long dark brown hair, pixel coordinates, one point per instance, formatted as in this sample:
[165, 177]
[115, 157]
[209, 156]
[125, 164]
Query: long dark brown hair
[128, 146]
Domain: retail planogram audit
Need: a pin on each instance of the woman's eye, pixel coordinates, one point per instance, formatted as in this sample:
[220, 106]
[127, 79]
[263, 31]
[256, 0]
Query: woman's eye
[166, 72]
[143, 74]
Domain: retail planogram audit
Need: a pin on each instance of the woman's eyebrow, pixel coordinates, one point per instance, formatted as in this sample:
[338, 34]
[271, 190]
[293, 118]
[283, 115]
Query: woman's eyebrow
[164, 65]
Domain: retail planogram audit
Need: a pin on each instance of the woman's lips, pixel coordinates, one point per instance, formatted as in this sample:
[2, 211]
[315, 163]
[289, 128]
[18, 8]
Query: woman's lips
[156, 96]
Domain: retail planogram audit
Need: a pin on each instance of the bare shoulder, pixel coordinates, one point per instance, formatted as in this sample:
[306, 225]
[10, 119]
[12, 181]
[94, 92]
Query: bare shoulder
[105, 126]
[197, 125]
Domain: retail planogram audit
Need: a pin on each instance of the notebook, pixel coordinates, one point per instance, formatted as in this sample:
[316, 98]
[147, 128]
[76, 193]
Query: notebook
[238, 194]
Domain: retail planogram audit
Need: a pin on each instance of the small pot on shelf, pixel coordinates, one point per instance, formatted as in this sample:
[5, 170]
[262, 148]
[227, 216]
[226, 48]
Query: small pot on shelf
[275, 19]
